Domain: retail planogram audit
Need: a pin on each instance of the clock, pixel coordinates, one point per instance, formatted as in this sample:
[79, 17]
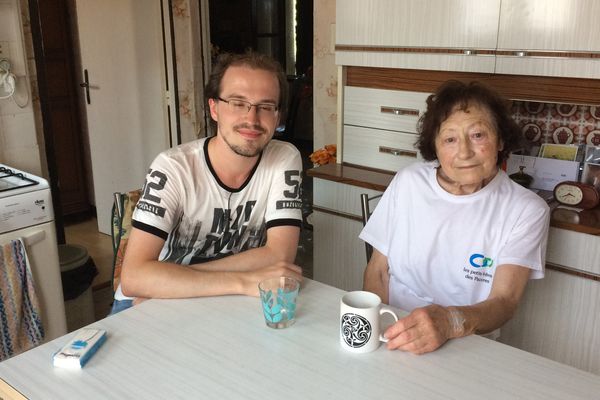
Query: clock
[577, 194]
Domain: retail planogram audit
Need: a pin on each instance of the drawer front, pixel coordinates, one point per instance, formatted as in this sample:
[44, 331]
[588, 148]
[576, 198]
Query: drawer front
[341, 197]
[379, 149]
[383, 109]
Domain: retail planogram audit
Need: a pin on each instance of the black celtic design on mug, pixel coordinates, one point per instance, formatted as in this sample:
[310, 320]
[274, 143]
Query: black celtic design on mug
[356, 330]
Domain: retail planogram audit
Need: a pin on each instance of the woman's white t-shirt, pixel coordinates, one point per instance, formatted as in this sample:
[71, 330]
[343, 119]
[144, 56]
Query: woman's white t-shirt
[443, 248]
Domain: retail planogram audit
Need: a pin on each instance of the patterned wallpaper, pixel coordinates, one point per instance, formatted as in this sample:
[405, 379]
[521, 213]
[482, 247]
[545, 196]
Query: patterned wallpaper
[325, 74]
[188, 57]
[558, 123]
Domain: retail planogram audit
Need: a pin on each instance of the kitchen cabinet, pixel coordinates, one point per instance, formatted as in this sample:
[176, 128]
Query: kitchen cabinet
[379, 127]
[559, 25]
[422, 34]
[549, 39]
[339, 255]
[559, 316]
[517, 37]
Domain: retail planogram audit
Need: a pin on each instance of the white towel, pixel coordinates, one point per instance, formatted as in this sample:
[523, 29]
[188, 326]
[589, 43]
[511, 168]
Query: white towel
[20, 320]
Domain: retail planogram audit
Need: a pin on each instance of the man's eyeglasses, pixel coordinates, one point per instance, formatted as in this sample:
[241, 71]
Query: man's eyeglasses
[244, 107]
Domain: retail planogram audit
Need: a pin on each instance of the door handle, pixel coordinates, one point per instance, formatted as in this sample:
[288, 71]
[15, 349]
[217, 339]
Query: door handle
[86, 85]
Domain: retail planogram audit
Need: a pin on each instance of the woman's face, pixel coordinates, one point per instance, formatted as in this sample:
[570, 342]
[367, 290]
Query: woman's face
[467, 148]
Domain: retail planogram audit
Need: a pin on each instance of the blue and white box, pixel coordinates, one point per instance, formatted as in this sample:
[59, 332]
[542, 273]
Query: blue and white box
[79, 349]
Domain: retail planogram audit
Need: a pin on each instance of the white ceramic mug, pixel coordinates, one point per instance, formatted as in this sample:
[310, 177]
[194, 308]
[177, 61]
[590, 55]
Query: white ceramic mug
[360, 326]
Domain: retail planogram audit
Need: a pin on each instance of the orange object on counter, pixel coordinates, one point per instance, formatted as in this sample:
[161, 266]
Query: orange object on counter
[325, 155]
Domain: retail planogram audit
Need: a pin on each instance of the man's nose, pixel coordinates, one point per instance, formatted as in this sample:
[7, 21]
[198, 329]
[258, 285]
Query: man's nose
[253, 113]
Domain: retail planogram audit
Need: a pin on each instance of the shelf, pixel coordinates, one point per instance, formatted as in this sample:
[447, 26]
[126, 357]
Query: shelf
[585, 221]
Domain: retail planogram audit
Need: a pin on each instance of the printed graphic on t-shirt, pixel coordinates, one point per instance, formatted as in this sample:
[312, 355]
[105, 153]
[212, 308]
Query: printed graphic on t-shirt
[479, 269]
[292, 179]
[202, 219]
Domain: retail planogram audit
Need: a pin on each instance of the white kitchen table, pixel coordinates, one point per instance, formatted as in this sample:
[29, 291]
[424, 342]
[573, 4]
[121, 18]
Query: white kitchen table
[220, 347]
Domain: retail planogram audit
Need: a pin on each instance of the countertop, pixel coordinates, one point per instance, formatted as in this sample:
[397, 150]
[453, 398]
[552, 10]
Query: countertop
[583, 221]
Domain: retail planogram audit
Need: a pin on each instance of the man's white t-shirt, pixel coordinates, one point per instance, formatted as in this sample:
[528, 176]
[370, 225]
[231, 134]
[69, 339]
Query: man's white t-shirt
[202, 219]
[443, 248]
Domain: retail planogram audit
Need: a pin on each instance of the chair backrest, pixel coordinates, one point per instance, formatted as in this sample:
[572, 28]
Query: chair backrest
[121, 215]
[366, 214]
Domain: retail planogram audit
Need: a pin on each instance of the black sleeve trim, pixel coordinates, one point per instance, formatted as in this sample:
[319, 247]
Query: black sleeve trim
[284, 222]
[150, 229]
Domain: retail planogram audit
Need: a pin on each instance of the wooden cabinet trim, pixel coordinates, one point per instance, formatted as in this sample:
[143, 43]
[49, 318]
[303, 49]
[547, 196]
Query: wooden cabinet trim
[469, 51]
[353, 175]
[431, 50]
[516, 87]
[337, 213]
[573, 271]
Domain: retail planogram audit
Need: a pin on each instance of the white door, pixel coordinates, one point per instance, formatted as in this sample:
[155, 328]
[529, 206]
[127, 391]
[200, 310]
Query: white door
[121, 43]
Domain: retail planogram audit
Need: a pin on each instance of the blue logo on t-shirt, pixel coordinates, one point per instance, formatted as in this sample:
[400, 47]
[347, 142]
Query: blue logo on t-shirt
[480, 261]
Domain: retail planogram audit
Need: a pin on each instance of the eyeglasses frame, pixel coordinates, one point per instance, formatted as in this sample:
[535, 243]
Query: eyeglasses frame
[250, 105]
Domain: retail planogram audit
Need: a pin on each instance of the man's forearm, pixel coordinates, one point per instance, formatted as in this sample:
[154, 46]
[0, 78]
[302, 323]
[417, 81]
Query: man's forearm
[159, 279]
[248, 260]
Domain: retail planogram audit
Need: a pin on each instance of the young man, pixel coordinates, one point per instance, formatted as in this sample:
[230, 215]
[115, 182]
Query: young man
[220, 214]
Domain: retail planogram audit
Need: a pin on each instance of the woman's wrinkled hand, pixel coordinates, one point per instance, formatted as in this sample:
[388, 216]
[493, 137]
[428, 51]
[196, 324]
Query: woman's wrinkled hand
[424, 330]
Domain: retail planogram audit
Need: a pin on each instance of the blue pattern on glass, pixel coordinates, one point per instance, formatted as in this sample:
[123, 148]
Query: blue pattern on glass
[276, 308]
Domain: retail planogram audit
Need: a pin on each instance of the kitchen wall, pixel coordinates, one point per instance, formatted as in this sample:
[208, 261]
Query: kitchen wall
[21, 140]
[324, 74]
[188, 47]
[21, 128]
[558, 123]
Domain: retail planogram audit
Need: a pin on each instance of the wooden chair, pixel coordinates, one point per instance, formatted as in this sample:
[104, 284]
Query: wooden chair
[366, 214]
[121, 215]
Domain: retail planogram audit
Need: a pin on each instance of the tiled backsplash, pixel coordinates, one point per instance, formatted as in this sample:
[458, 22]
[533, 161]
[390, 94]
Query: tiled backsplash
[558, 123]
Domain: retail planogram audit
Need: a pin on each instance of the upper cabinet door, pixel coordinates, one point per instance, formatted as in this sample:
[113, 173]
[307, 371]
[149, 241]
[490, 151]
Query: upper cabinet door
[552, 25]
[549, 38]
[461, 24]
[457, 35]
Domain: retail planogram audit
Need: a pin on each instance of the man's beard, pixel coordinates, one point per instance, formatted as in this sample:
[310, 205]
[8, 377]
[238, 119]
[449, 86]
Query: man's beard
[247, 150]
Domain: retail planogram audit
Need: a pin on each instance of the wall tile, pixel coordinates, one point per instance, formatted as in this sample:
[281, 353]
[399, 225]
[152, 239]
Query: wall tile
[23, 158]
[557, 123]
[19, 131]
[17, 126]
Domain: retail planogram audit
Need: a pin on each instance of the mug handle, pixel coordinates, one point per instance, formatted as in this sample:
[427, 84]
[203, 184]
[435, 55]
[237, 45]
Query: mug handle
[384, 310]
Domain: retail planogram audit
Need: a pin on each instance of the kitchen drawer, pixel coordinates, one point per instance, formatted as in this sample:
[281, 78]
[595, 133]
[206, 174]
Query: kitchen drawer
[378, 148]
[341, 197]
[383, 109]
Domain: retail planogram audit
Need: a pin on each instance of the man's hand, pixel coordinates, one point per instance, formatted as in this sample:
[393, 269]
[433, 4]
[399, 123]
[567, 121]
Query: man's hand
[252, 278]
[423, 330]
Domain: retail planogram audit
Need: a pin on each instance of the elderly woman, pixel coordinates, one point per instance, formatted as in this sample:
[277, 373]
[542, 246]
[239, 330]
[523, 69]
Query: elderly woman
[455, 240]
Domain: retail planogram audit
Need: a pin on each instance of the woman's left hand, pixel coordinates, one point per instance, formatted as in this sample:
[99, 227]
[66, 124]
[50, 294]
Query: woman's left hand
[423, 330]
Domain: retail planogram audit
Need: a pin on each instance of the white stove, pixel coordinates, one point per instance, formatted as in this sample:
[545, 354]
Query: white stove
[26, 212]
[25, 200]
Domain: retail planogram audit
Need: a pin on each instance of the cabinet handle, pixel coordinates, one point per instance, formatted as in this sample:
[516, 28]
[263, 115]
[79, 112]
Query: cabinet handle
[469, 52]
[520, 53]
[397, 152]
[399, 111]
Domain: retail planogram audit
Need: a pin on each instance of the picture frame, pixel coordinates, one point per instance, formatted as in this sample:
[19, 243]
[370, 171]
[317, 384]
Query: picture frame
[564, 152]
[591, 166]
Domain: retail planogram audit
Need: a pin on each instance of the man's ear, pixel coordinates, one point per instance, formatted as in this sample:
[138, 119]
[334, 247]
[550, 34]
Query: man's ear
[212, 105]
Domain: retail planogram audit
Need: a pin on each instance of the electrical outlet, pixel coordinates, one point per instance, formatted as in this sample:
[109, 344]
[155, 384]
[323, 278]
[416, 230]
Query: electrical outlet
[4, 53]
